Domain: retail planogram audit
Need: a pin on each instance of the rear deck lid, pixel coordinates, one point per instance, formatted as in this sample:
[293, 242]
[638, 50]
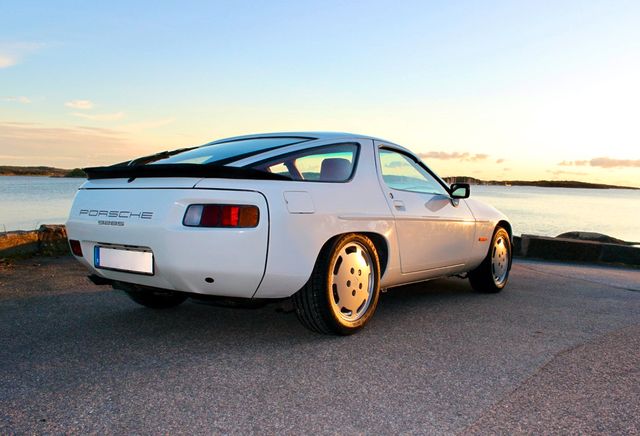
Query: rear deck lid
[142, 183]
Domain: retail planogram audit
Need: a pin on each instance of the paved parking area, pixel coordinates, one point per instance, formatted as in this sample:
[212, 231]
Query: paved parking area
[557, 351]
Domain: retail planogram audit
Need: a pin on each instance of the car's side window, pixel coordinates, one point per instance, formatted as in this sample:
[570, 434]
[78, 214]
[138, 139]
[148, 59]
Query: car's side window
[332, 163]
[401, 172]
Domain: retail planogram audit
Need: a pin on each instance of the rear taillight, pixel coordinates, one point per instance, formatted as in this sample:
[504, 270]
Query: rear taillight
[76, 248]
[221, 215]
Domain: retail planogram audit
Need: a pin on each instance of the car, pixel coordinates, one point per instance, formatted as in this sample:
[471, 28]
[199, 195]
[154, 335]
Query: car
[323, 220]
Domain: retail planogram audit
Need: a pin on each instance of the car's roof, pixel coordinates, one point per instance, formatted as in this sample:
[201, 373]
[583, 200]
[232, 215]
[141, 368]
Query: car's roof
[309, 138]
[310, 135]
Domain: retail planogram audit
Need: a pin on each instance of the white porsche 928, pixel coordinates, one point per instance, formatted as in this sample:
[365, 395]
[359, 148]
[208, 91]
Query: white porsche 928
[326, 219]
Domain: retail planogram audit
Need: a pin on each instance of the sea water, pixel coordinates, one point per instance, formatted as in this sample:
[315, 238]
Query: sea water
[27, 202]
[552, 211]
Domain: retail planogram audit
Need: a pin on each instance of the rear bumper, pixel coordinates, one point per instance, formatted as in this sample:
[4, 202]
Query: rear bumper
[220, 261]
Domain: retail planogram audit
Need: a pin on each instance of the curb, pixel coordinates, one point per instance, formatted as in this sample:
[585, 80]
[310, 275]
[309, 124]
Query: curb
[572, 250]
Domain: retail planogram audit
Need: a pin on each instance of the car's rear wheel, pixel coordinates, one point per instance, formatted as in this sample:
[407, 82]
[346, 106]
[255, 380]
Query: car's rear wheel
[156, 299]
[342, 293]
[493, 273]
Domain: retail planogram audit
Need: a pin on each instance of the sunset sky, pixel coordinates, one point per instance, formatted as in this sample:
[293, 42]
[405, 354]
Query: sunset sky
[492, 89]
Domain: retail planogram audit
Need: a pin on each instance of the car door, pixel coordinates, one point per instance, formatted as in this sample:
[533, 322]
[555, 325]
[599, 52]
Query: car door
[434, 230]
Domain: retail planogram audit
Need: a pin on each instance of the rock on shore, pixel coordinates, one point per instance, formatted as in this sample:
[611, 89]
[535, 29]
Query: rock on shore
[49, 240]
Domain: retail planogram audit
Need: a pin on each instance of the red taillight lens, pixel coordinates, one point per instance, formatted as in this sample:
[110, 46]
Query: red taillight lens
[221, 215]
[230, 216]
[210, 216]
[76, 248]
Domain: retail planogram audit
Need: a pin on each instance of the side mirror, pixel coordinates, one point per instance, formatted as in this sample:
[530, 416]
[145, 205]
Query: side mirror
[460, 190]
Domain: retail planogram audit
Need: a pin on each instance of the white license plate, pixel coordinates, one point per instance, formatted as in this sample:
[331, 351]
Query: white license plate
[117, 259]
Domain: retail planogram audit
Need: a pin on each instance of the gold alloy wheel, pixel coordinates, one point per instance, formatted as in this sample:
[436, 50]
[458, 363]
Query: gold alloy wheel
[351, 282]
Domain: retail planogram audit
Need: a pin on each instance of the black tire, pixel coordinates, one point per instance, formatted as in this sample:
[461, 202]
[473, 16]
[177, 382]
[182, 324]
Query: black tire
[493, 273]
[323, 307]
[156, 299]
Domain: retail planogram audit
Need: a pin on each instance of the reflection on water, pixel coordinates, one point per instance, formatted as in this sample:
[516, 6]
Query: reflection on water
[27, 202]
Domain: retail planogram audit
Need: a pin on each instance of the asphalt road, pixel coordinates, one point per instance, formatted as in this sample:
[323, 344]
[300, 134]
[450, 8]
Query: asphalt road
[556, 352]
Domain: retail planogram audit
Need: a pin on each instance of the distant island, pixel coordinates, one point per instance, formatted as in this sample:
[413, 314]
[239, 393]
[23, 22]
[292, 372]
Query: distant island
[539, 183]
[40, 171]
[77, 172]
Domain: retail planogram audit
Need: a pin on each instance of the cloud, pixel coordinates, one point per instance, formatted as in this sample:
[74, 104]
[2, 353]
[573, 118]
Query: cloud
[79, 104]
[7, 61]
[499, 161]
[12, 53]
[100, 117]
[145, 125]
[602, 162]
[394, 164]
[99, 130]
[18, 99]
[443, 155]
[462, 157]
[570, 163]
[37, 144]
[606, 162]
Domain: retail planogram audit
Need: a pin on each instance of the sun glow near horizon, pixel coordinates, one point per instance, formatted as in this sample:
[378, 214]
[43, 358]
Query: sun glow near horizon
[496, 91]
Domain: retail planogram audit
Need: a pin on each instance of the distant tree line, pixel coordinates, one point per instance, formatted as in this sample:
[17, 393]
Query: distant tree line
[40, 171]
[539, 183]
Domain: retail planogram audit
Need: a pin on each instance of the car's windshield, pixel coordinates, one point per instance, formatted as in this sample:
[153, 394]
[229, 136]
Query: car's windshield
[228, 151]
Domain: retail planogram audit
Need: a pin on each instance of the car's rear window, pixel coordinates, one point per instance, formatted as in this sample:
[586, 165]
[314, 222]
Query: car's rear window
[329, 163]
[228, 151]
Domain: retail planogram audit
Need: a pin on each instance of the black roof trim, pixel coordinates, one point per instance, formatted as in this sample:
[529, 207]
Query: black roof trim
[250, 137]
[179, 170]
[254, 153]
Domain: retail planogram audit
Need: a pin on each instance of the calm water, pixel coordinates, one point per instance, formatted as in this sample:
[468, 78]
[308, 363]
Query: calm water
[27, 202]
[551, 211]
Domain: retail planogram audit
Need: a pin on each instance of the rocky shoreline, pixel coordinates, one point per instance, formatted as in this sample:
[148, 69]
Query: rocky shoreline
[48, 240]
[565, 249]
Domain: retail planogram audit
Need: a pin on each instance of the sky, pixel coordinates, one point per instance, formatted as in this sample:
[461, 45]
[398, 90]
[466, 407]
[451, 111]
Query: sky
[500, 90]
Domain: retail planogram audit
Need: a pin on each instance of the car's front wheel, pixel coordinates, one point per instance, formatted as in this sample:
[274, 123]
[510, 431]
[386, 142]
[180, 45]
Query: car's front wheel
[493, 273]
[342, 293]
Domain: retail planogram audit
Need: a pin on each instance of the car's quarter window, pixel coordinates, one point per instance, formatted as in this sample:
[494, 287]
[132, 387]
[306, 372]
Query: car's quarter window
[330, 163]
[281, 169]
[400, 171]
[224, 152]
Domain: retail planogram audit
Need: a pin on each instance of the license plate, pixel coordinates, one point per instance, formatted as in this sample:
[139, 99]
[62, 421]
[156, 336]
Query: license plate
[118, 259]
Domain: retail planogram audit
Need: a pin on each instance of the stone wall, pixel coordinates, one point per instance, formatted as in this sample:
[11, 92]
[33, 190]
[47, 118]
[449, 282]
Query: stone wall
[48, 240]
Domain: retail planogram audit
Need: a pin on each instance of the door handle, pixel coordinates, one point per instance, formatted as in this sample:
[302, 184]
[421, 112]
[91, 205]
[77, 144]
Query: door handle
[398, 204]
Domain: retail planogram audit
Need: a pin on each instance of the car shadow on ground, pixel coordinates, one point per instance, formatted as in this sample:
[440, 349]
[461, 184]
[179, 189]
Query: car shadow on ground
[196, 321]
[88, 324]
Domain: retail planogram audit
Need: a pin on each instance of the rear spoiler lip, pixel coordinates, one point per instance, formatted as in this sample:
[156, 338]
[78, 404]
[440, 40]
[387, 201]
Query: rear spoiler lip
[179, 170]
